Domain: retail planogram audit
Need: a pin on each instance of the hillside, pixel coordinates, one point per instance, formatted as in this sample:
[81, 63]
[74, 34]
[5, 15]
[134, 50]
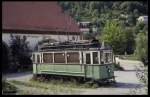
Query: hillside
[116, 22]
[100, 11]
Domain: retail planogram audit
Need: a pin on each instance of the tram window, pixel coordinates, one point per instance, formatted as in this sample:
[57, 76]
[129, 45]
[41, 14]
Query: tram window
[110, 59]
[47, 57]
[73, 57]
[107, 57]
[95, 58]
[33, 58]
[59, 57]
[101, 57]
[88, 59]
[38, 58]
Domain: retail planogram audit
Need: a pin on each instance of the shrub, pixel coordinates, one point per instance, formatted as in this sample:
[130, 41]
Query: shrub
[142, 47]
[142, 75]
[8, 88]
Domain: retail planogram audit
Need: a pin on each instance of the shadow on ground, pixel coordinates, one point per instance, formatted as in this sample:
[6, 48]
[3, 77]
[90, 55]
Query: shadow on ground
[127, 85]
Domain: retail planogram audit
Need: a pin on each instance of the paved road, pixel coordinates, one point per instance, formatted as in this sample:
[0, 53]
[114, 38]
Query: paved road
[126, 82]
[26, 76]
[129, 64]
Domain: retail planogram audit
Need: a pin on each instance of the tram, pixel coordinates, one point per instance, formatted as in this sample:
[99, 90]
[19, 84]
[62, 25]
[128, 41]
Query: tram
[89, 60]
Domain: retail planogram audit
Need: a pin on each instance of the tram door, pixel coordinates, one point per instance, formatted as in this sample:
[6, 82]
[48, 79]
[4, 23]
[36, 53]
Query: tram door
[88, 58]
[37, 58]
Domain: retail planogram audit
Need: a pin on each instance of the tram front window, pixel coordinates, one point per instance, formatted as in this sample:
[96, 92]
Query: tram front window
[108, 58]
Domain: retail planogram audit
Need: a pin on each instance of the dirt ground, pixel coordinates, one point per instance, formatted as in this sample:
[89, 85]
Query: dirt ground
[126, 81]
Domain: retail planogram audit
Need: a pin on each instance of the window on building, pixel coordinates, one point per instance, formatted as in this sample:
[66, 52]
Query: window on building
[85, 25]
[73, 37]
[47, 57]
[73, 57]
[59, 57]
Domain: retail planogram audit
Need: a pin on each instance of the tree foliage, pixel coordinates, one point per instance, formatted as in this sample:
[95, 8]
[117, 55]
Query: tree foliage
[120, 34]
[20, 52]
[114, 35]
[100, 11]
[5, 56]
[130, 37]
[142, 47]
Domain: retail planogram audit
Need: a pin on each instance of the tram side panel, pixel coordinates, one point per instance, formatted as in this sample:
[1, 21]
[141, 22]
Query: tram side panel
[97, 71]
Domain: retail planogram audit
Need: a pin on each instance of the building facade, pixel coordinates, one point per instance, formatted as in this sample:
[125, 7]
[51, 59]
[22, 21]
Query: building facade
[143, 19]
[85, 27]
[37, 21]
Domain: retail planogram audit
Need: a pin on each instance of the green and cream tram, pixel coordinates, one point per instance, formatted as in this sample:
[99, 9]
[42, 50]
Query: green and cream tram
[86, 60]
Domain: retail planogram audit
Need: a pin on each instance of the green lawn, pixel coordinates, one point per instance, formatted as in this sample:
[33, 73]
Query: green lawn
[53, 87]
[37, 88]
[129, 57]
[8, 88]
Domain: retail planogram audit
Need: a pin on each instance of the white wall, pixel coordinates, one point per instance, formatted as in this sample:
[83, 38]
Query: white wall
[35, 38]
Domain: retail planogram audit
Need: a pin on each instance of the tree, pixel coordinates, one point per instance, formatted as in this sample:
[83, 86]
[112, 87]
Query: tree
[130, 37]
[141, 27]
[114, 34]
[5, 56]
[20, 52]
[142, 47]
[102, 11]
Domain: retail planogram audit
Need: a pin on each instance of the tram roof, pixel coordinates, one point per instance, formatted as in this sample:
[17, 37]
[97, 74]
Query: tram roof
[73, 46]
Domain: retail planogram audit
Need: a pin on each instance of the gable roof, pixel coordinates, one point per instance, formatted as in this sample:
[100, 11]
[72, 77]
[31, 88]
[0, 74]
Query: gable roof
[37, 16]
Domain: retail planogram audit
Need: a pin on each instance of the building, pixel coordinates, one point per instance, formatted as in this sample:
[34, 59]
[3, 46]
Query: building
[85, 28]
[37, 21]
[143, 19]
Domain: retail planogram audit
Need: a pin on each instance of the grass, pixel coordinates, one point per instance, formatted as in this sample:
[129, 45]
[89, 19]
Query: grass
[8, 88]
[35, 87]
[132, 57]
[72, 82]
[128, 57]
[53, 86]
[32, 84]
